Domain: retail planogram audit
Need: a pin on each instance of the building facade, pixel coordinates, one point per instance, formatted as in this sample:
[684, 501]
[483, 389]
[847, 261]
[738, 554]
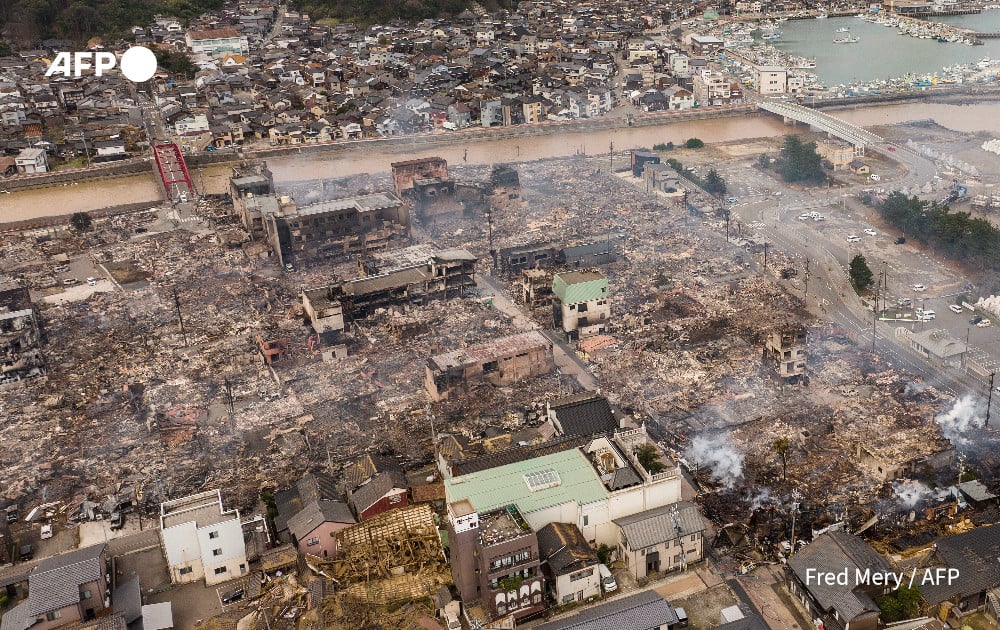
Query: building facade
[581, 306]
[500, 362]
[202, 540]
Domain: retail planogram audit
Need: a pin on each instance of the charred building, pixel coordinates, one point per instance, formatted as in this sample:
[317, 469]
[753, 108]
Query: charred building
[408, 276]
[785, 353]
[500, 362]
[20, 336]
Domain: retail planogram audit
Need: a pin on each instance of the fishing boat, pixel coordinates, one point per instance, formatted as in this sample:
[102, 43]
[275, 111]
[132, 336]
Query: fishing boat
[821, 16]
[847, 39]
[843, 29]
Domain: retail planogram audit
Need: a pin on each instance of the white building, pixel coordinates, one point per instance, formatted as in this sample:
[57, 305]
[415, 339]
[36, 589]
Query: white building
[770, 79]
[589, 486]
[192, 124]
[32, 161]
[200, 539]
[215, 42]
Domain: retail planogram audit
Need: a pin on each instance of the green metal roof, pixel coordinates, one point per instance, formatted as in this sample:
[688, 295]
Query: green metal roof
[496, 487]
[574, 287]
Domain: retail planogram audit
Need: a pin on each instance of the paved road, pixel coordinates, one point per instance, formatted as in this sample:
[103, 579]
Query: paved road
[565, 357]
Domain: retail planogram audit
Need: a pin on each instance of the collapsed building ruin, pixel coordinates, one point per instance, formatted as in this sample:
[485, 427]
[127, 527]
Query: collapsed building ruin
[499, 362]
[426, 184]
[408, 276]
[20, 337]
[785, 353]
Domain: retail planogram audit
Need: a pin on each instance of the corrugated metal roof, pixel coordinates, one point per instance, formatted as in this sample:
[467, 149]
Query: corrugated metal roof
[656, 526]
[580, 286]
[834, 552]
[504, 485]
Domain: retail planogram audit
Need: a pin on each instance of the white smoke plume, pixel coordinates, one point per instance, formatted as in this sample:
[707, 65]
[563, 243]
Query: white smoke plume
[911, 492]
[716, 453]
[964, 416]
[759, 498]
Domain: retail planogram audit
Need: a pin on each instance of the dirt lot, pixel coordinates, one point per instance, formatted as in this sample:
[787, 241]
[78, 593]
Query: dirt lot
[703, 608]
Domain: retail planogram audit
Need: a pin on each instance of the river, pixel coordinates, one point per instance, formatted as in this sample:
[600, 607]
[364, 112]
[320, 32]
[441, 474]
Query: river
[91, 195]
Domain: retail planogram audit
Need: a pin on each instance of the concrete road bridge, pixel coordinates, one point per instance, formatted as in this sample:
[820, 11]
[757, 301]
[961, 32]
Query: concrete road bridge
[859, 137]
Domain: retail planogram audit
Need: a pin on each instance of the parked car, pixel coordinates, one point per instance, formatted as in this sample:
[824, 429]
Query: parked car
[211, 148]
[900, 240]
[919, 288]
[904, 301]
[141, 230]
[853, 238]
[607, 579]
[984, 324]
[27, 552]
[233, 596]
[955, 308]
[70, 282]
[92, 281]
[46, 532]
[11, 513]
[976, 319]
[117, 520]
[871, 232]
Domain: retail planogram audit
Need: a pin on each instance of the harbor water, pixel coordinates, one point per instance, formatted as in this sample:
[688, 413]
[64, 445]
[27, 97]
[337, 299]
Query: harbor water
[881, 52]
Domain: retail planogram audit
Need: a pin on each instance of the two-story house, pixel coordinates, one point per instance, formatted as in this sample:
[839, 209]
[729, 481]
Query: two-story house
[201, 539]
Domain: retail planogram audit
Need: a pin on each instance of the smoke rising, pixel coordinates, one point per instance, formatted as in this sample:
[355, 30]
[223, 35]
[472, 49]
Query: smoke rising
[910, 493]
[716, 452]
[759, 498]
[964, 416]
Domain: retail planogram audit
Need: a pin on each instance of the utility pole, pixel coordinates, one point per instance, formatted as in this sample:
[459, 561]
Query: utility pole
[180, 318]
[989, 399]
[493, 252]
[806, 277]
[874, 319]
[765, 255]
[611, 154]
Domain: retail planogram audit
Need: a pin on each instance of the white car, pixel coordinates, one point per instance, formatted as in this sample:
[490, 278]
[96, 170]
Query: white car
[985, 323]
[819, 217]
[92, 281]
[46, 532]
[871, 232]
[919, 288]
[853, 238]
[955, 308]
[804, 217]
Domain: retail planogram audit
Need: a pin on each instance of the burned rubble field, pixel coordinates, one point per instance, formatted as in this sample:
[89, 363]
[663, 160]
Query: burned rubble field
[128, 397]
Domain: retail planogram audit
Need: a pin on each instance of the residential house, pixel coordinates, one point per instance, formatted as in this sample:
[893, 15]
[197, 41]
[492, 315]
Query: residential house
[640, 159]
[31, 161]
[529, 256]
[315, 526]
[382, 492]
[937, 345]
[849, 606]
[837, 153]
[70, 587]
[972, 557]
[500, 362]
[581, 306]
[311, 488]
[569, 563]
[679, 98]
[646, 610]
[663, 539]
[201, 539]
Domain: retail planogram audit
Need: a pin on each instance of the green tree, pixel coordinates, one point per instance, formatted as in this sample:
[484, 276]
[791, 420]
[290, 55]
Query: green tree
[604, 554]
[81, 221]
[861, 275]
[660, 146]
[175, 63]
[714, 184]
[694, 143]
[799, 161]
[781, 446]
[764, 161]
[649, 456]
[901, 604]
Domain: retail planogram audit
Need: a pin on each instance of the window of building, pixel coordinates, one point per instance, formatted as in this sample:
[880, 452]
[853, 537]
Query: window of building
[312, 541]
[220, 570]
[85, 595]
[694, 537]
[185, 570]
[583, 307]
[586, 520]
[53, 615]
[567, 598]
[213, 535]
[217, 552]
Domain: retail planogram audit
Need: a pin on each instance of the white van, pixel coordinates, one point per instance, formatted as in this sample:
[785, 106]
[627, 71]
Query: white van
[607, 579]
